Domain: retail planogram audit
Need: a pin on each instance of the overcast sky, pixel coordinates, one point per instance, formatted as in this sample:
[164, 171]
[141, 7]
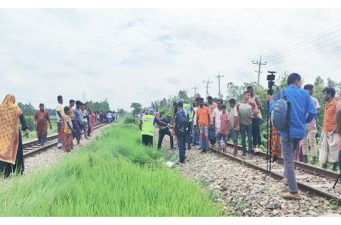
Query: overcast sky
[141, 55]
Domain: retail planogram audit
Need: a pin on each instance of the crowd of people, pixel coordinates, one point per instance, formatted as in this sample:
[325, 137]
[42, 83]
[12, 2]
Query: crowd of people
[210, 124]
[74, 121]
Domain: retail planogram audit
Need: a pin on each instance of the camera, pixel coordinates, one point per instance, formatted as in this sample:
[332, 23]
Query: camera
[270, 78]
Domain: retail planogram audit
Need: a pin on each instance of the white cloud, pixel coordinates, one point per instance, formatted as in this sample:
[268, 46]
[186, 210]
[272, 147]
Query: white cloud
[140, 55]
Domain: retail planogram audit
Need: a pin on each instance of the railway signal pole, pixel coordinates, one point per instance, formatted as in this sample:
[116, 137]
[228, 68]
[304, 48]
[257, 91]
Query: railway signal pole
[219, 76]
[259, 63]
[208, 82]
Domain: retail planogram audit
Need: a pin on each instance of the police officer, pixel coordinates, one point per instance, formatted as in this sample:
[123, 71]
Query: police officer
[147, 127]
[189, 110]
[181, 127]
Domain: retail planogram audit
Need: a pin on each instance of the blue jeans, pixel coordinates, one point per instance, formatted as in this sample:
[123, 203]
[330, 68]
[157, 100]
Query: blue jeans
[246, 130]
[203, 141]
[42, 139]
[288, 150]
[189, 133]
[59, 127]
[195, 140]
[182, 147]
[257, 140]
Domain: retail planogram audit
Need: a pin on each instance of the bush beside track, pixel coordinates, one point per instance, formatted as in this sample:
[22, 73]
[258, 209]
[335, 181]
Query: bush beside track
[112, 176]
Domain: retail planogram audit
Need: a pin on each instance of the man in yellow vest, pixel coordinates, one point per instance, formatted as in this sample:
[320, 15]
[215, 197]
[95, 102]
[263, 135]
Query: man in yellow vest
[147, 127]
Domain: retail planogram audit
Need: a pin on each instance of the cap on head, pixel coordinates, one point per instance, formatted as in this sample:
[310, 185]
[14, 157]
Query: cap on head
[181, 101]
[151, 111]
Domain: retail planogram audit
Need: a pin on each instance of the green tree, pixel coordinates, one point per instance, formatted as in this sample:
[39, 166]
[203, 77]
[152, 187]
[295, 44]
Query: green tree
[234, 91]
[183, 95]
[102, 106]
[319, 81]
[27, 109]
[137, 108]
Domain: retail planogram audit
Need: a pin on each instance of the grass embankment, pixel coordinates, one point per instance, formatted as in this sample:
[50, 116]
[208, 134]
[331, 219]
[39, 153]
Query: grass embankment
[112, 176]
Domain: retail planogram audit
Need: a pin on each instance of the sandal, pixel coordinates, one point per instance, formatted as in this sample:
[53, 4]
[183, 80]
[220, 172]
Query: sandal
[292, 196]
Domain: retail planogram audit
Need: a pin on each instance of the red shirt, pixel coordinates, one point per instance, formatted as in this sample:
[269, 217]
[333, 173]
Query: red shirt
[224, 122]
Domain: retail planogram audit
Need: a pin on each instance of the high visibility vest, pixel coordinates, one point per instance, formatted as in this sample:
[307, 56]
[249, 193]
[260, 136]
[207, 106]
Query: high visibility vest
[148, 125]
[187, 108]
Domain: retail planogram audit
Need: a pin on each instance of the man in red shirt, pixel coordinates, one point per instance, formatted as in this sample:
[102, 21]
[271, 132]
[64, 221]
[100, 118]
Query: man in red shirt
[224, 127]
[41, 119]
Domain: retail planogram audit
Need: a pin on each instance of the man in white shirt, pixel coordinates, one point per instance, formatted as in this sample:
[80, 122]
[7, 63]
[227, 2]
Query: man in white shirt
[195, 140]
[85, 121]
[310, 138]
[216, 116]
[59, 115]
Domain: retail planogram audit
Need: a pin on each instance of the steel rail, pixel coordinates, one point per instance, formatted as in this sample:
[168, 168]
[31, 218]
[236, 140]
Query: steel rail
[33, 147]
[302, 186]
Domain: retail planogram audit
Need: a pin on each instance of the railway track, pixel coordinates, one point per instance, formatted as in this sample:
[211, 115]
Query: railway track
[309, 178]
[33, 147]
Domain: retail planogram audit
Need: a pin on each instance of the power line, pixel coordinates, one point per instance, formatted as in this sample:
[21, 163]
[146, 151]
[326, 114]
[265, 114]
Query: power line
[316, 37]
[295, 55]
[259, 63]
[307, 47]
[335, 54]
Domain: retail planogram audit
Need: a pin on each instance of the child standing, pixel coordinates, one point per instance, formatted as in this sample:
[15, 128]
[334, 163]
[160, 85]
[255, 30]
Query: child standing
[224, 128]
[67, 142]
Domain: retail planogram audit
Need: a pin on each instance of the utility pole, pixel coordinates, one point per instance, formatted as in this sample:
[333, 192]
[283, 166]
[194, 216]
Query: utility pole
[219, 76]
[195, 90]
[84, 96]
[208, 82]
[259, 63]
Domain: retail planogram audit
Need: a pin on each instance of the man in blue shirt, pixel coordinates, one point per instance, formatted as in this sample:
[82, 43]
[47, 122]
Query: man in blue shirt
[79, 119]
[302, 111]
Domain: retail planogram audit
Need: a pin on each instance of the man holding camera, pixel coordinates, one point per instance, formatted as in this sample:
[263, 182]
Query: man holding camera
[301, 111]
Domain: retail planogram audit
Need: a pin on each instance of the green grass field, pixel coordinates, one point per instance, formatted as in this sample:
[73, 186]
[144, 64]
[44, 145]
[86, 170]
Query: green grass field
[112, 176]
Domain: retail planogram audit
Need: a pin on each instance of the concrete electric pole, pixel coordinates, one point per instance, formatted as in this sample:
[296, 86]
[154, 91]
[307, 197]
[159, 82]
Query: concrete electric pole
[219, 76]
[195, 90]
[259, 63]
[207, 82]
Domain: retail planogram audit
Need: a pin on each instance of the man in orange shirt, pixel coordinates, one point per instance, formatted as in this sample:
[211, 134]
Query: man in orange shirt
[329, 138]
[203, 118]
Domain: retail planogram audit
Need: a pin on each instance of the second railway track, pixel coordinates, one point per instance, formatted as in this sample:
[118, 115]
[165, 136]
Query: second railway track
[309, 178]
[33, 147]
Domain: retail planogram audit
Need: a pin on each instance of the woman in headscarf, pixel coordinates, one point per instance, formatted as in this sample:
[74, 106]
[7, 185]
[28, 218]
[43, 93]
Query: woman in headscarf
[11, 149]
